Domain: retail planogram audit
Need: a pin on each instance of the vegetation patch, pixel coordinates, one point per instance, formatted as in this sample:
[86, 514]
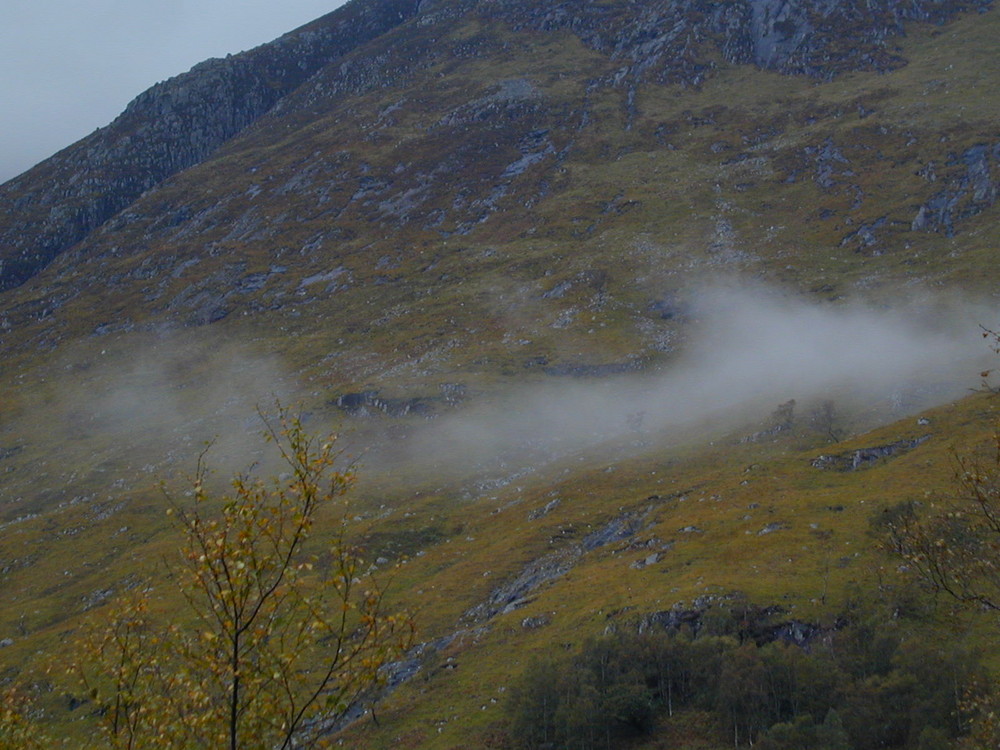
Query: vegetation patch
[863, 683]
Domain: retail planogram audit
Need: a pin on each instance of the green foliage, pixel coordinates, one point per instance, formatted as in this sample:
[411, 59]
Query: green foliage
[267, 655]
[803, 734]
[873, 690]
[533, 703]
[598, 697]
[18, 729]
[831, 735]
[954, 545]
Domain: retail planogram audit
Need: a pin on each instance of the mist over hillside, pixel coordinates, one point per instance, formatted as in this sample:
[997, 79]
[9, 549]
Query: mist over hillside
[585, 288]
[749, 349]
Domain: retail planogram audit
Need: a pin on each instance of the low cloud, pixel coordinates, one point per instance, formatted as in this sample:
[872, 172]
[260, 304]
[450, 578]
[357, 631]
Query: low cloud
[748, 350]
[154, 408]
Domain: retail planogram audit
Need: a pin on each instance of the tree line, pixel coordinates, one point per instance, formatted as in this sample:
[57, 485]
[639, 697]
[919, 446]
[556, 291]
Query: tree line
[860, 686]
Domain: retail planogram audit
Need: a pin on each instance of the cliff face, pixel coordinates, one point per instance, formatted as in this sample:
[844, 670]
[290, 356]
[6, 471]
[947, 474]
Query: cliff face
[170, 127]
[676, 40]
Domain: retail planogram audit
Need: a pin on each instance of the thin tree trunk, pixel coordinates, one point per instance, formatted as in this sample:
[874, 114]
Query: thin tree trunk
[234, 698]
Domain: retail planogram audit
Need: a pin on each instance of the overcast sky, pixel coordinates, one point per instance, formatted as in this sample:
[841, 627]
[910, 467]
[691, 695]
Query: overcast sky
[70, 66]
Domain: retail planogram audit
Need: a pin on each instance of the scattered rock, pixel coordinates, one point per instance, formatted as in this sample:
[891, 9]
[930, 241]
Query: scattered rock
[507, 98]
[593, 371]
[516, 593]
[826, 158]
[533, 623]
[558, 291]
[453, 393]
[646, 561]
[754, 623]
[327, 277]
[796, 633]
[540, 512]
[865, 238]
[668, 308]
[97, 598]
[970, 188]
[6, 453]
[671, 620]
[538, 361]
[622, 527]
[771, 528]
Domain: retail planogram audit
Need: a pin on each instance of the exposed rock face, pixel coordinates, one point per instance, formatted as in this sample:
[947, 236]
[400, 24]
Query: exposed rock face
[864, 458]
[515, 593]
[179, 123]
[970, 188]
[666, 40]
[170, 127]
[366, 403]
[754, 623]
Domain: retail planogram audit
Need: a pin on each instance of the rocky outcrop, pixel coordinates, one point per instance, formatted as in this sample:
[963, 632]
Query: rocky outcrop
[970, 187]
[517, 592]
[864, 458]
[367, 403]
[671, 40]
[748, 623]
[170, 127]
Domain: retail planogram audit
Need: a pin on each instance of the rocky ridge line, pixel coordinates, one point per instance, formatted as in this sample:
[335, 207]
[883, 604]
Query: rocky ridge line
[173, 125]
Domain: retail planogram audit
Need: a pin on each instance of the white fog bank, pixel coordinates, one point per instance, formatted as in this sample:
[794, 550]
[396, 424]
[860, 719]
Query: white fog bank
[748, 350]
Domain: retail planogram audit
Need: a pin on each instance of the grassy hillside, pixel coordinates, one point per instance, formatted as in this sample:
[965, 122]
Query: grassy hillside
[499, 228]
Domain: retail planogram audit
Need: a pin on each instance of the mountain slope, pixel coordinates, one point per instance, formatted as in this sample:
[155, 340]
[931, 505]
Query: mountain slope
[171, 126]
[488, 238]
[574, 150]
[179, 123]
